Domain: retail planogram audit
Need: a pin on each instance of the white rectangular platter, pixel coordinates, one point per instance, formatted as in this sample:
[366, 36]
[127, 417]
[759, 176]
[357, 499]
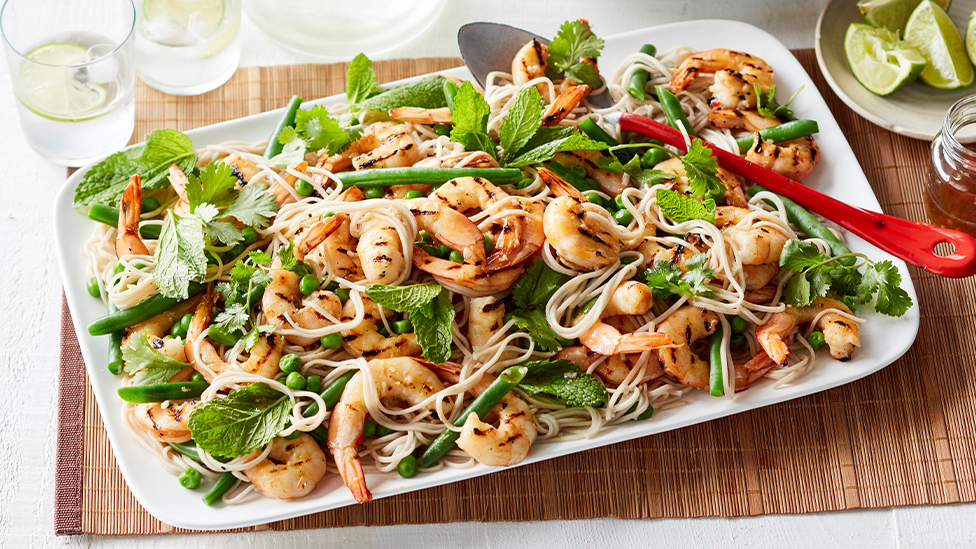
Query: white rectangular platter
[883, 339]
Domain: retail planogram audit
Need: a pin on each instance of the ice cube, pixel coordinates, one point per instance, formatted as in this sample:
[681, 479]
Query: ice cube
[105, 68]
[166, 31]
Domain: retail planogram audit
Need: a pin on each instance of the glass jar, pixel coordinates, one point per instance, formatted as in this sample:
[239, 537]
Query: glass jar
[950, 192]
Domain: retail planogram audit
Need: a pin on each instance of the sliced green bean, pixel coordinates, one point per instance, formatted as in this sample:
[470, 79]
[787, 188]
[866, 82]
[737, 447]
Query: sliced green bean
[809, 224]
[596, 133]
[136, 314]
[481, 405]
[383, 177]
[639, 77]
[450, 90]
[110, 216]
[114, 346]
[177, 390]
[226, 481]
[716, 386]
[793, 129]
[672, 109]
[287, 120]
[188, 449]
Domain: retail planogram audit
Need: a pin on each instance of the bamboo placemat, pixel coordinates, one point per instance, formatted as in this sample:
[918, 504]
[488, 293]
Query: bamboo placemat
[903, 436]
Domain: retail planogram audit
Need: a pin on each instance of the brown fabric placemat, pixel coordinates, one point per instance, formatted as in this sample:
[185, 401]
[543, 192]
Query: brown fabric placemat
[903, 436]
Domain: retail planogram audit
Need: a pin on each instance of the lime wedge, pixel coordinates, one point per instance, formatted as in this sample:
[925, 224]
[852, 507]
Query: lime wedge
[56, 91]
[932, 33]
[202, 17]
[892, 14]
[880, 61]
[971, 38]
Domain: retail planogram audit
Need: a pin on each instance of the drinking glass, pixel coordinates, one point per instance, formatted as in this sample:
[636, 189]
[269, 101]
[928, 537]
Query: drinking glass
[71, 70]
[187, 47]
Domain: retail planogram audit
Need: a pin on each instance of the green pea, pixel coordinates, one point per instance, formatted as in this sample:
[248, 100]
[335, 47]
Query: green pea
[342, 294]
[737, 341]
[443, 251]
[190, 479]
[382, 431]
[653, 157]
[402, 327]
[149, 204]
[327, 215]
[176, 330]
[413, 194]
[456, 256]
[295, 381]
[332, 286]
[185, 322]
[374, 192]
[234, 252]
[290, 363]
[524, 183]
[92, 286]
[383, 331]
[304, 188]
[442, 129]
[197, 376]
[627, 260]
[331, 341]
[595, 198]
[119, 267]
[250, 235]
[308, 284]
[619, 200]
[313, 383]
[407, 466]
[623, 217]
[738, 324]
[423, 236]
[369, 429]
[816, 340]
[488, 243]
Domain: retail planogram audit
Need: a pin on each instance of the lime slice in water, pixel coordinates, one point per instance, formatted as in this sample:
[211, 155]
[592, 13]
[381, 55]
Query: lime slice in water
[202, 17]
[892, 14]
[56, 92]
[880, 61]
[932, 33]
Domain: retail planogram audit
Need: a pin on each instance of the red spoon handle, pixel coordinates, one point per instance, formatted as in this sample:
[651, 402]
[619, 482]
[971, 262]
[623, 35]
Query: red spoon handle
[911, 241]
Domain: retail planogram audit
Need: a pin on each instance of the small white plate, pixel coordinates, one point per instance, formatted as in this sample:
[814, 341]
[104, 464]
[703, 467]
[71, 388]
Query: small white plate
[915, 111]
[839, 175]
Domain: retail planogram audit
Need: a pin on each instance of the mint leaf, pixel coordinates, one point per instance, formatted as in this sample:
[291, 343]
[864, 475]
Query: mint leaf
[548, 141]
[576, 40]
[148, 365]
[565, 381]
[653, 177]
[426, 94]
[360, 80]
[242, 422]
[403, 299]
[179, 255]
[534, 322]
[522, 121]
[253, 207]
[536, 287]
[700, 168]
[105, 181]
[432, 325]
[471, 121]
[680, 208]
[214, 185]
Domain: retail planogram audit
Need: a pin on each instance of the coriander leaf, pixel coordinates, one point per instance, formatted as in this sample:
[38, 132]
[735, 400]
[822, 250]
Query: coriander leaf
[241, 272]
[221, 231]
[293, 149]
[105, 181]
[321, 131]
[698, 275]
[360, 80]
[432, 325]
[797, 291]
[253, 207]
[179, 256]
[576, 40]
[799, 255]
[700, 168]
[261, 278]
[892, 300]
[845, 281]
[234, 317]
[680, 208]
[425, 94]
[260, 258]
[403, 299]
[653, 177]
[633, 166]
[214, 185]
[149, 365]
[534, 322]
[536, 287]
[522, 121]
[471, 121]
[664, 279]
[768, 107]
[548, 141]
[251, 338]
[819, 279]
[242, 422]
[565, 381]
[286, 255]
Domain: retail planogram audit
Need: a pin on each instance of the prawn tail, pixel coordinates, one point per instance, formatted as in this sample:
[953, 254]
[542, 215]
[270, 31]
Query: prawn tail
[775, 347]
[643, 341]
[749, 372]
[351, 471]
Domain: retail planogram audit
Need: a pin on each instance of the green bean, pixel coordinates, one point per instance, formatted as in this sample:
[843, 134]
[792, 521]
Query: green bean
[114, 346]
[226, 481]
[450, 90]
[487, 400]
[139, 312]
[224, 337]
[383, 177]
[639, 77]
[715, 382]
[177, 390]
[330, 395]
[188, 449]
[321, 435]
[255, 295]
[110, 216]
[654, 157]
[287, 120]
[596, 133]
[672, 109]
[793, 129]
[810, 225]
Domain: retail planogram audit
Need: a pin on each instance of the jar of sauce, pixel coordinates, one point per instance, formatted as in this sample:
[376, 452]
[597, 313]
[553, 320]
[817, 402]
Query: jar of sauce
[950, 192]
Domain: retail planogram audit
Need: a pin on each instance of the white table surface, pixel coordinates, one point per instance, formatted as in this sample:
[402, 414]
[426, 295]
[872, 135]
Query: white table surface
[30, 312]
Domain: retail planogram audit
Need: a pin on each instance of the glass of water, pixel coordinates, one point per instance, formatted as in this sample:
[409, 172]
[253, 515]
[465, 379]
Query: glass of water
[72, 73]
[187, 47]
